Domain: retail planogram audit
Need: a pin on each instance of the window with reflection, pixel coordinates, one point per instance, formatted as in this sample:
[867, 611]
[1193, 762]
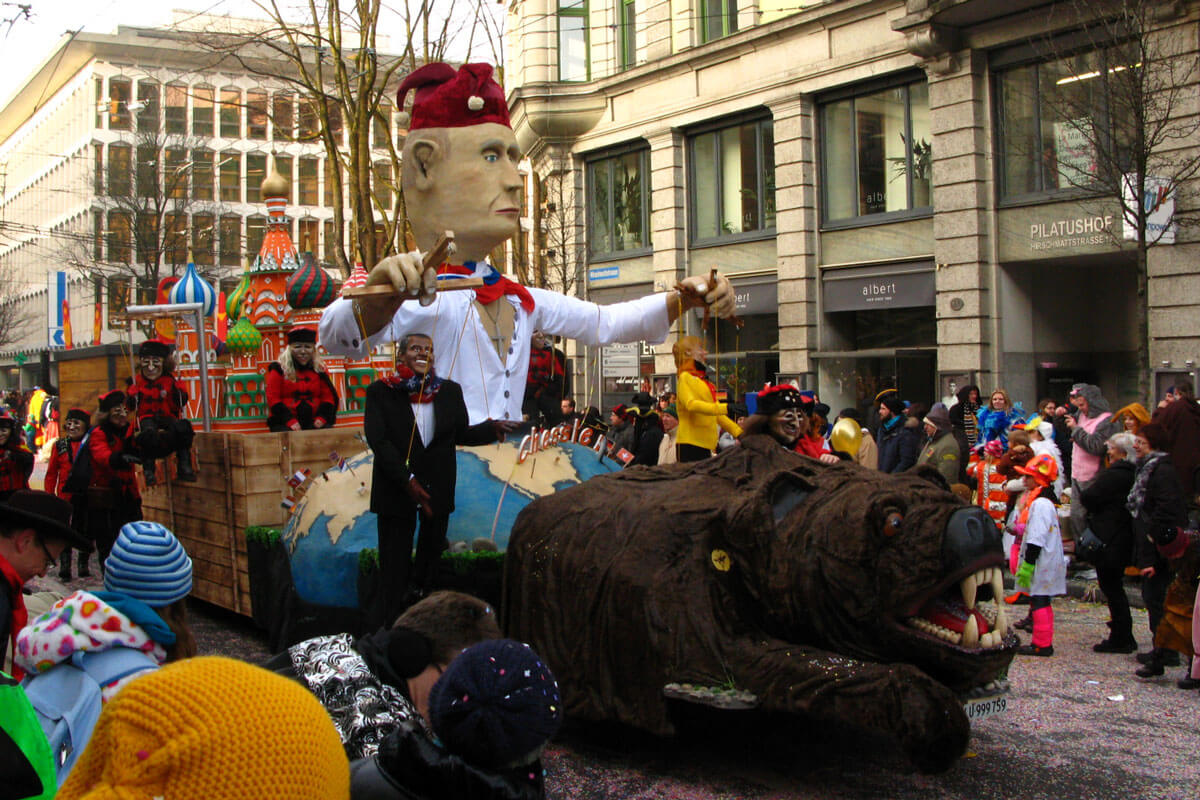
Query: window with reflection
[175, 108]
[308, 181]
[231, 240]
[256, 114]
[120, 236]
[733, 180]
[717, 18]
[231, 176]
[120, 94]
[98, 180]
[202, 111]
[619, 203]
[147, 171]
[147, 115]
[145, 237]
[283, 164]
[101, 101]
[282, 117]
[310, 123]
[1053, 118]
[203, 175]
[231, 113]
[256, 173]
[98, 235]
[573, 40]
[203, 239]
[120, 170]
[877, 153]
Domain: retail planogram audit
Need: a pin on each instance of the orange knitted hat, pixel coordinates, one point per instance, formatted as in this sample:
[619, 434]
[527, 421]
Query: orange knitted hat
[211, 728]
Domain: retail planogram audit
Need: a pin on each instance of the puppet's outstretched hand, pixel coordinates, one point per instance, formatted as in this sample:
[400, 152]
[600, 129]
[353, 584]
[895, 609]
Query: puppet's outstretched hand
[718, 295]
[405, 274]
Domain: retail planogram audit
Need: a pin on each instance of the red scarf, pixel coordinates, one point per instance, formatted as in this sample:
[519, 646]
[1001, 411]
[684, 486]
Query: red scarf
[811, 446]
[703, 375]
[420, 388]
[494, 284]
[20, 617]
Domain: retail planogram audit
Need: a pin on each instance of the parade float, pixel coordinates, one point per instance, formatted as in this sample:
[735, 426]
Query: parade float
[277, 524]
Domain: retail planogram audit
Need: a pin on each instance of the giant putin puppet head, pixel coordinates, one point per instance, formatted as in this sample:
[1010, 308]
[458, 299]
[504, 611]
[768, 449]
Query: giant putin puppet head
[459, 168]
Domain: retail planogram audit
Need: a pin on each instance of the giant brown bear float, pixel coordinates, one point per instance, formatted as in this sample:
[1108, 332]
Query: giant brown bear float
[834, 592]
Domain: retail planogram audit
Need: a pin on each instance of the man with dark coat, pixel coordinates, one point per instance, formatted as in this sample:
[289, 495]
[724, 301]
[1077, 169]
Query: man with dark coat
[899, 443]
[647, 431]
[1181, 419]
[413, 422]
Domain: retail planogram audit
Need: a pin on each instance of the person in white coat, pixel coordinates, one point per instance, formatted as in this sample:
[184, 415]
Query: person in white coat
[1042, 569]
[459, 173]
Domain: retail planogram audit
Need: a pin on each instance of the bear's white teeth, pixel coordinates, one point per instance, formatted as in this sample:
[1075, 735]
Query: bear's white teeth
[970, 637]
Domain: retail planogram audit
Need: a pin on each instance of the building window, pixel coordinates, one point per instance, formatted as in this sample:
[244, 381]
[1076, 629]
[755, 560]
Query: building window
[733, 180]
[231, 113]
[202, 240]
[147, 171]
[98, 182]
[202, 175]
[120, 173]
[119, 96]
[256, 115]
[256, 231]
[383, 183]
[717, 18]
[101, 103]
[148, 101]
[310, 123]
[98, 235]
[175, 177]
[1052, 115]
[573, 40]
[282, 118]
[308, 181]
[175, 239]
[877, 153]
[283, 165]
[618, 203]
[231, 241]
[119, 238]
[308, 235]
[202, 111]
[231, 176]
[256, 173]
[627, 34]
[176, 109]
[145, 234]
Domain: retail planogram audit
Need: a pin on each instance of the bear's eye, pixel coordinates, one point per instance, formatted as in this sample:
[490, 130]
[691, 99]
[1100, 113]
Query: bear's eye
[894, 524]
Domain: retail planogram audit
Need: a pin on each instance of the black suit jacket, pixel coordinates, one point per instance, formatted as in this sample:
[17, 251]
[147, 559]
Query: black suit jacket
[389, 425]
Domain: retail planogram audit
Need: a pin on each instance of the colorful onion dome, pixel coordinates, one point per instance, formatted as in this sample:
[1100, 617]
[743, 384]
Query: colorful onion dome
[191, 288]
[357, 279]
[243, 338]
[310, 286]
[237, 298]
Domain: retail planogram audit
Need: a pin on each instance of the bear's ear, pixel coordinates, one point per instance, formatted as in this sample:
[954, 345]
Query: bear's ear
[786, 493]
[930, 474]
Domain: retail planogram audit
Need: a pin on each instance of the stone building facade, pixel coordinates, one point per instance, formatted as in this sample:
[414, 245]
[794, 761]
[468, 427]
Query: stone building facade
[892, 187]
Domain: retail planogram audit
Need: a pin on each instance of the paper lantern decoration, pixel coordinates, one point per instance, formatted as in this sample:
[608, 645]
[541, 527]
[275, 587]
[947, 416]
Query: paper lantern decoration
[191, 288]
[243, 338]
[237, 298]
[310, 286]
[357, 279]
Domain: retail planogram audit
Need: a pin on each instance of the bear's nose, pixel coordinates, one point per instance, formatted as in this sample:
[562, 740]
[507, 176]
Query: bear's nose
[971, 537]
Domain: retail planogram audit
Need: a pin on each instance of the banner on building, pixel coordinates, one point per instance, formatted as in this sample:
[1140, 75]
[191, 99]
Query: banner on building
[1158, 201]
[56, 294]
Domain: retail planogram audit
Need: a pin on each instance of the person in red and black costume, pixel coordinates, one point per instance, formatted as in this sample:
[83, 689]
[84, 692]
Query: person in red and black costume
[62, 457]
[157, 401]
[413, 422]
[113, 498]
[16, 460]
[300, 396]
[544, 384]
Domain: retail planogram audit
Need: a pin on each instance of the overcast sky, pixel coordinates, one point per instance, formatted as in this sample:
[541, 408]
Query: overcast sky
[30, 41]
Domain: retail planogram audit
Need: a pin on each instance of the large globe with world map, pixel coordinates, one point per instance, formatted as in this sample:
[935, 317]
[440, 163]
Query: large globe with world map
[330, 524]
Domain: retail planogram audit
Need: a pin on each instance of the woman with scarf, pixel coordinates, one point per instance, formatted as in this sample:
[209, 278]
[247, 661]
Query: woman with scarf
[1156, 504]
[700, 415]
[300, 395]
[413, 422]
[997, 418]
[1041, 568]
[962, 413]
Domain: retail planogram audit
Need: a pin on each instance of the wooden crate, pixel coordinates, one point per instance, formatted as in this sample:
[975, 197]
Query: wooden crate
[242, 482]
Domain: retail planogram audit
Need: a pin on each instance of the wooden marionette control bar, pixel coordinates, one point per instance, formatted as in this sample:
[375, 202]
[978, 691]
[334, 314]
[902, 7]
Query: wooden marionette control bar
[432, 259]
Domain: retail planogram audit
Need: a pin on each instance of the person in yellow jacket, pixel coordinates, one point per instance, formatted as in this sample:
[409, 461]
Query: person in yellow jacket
[699, 412]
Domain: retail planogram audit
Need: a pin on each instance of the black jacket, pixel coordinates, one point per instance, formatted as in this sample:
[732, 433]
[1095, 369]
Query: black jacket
[1163, 511]
[1104, 501]
[390, 427]
[411, 767]
[900, 446]
[648, 434]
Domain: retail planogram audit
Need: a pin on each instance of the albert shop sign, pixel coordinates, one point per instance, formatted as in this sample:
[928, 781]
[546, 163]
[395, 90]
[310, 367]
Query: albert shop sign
[907, 285]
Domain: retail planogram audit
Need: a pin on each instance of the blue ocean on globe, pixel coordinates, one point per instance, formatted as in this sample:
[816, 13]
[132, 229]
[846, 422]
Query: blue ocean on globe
[324, 562]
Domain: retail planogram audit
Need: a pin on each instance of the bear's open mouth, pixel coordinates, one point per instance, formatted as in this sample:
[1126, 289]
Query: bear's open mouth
[966, 611]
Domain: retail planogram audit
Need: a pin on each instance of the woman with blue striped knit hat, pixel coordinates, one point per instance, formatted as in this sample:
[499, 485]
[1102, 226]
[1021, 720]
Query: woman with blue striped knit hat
[138, 623]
